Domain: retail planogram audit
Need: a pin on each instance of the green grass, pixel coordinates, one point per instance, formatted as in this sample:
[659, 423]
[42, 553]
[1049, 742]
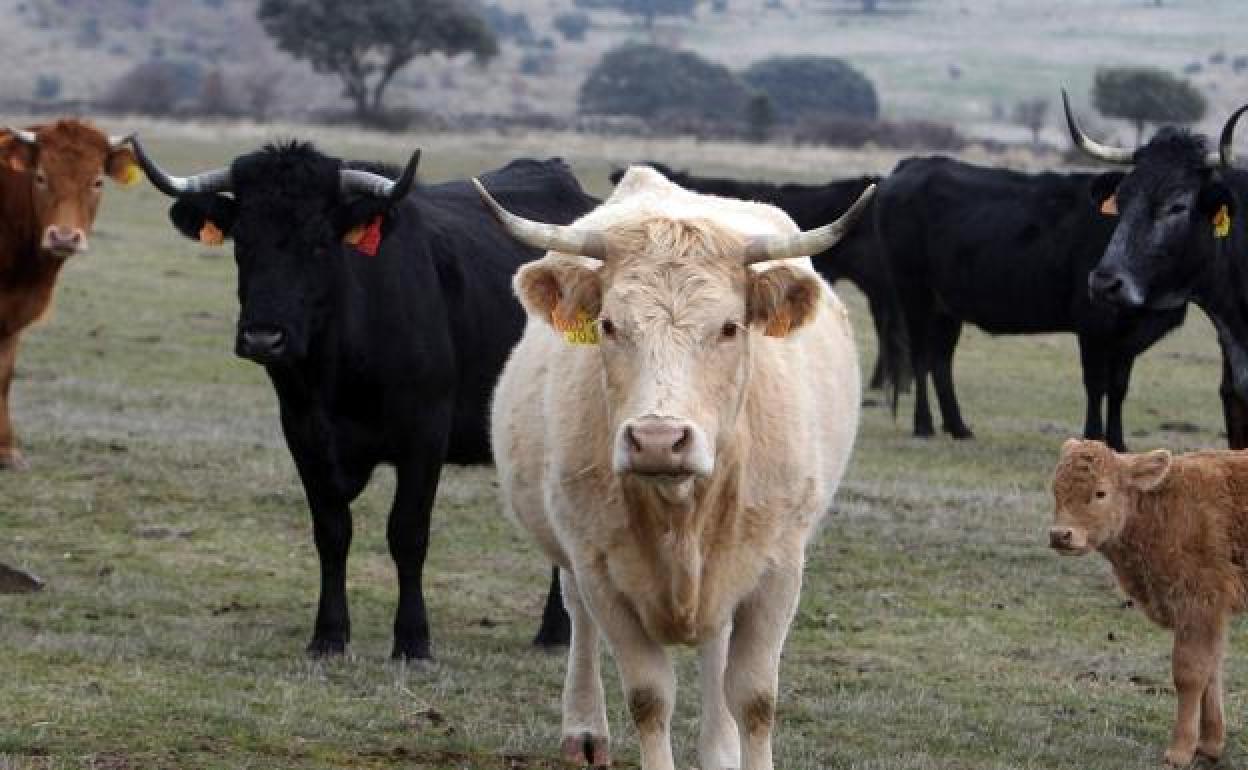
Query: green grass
[935, 631]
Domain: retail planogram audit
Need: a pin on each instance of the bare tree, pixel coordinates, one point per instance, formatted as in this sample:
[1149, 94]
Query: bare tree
[1032, 114]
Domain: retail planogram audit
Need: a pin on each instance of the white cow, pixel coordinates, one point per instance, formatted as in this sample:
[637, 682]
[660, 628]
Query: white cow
[676, 466]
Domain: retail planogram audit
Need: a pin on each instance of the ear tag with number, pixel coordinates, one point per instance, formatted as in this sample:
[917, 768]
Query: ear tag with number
[131, 175]
[210, 234]
[1109, 206]
[1222, 222]
[582, 331]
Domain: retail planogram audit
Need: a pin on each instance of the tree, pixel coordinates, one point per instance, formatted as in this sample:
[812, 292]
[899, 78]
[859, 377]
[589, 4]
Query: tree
[1145, 95]
[648, 81]
[1031, 115]
[809, 86]
[366, 42]
[759, 117]
[648, 10]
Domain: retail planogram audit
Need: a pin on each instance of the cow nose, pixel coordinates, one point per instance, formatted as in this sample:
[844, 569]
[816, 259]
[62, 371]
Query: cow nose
[1061, 537]
[659, 445]
[64, 239]
[261, 342]
[1111, 286]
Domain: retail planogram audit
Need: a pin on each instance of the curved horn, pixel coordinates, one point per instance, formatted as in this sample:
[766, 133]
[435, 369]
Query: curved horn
[539, 235]
[763, 248]
[1226, 152]
[352, 180]
[115, 142]
[1105, 152]
[22, 135]
[213, 181]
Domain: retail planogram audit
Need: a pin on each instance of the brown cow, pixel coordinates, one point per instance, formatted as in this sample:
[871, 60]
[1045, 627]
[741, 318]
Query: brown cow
[51, 180]
[1175, 530]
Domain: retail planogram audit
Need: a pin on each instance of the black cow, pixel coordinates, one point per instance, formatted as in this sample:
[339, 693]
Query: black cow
[1010, 253]
[381, 352]
[856, 258]
[1180, 236]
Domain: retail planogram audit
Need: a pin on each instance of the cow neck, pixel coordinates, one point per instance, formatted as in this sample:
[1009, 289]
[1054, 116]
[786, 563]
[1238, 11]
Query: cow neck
[1222, 292]
[22, 264]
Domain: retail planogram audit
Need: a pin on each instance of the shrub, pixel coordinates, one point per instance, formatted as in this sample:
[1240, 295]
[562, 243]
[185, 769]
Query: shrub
[1146, 95]
[903, 135]
[646, 80]
[801, 86]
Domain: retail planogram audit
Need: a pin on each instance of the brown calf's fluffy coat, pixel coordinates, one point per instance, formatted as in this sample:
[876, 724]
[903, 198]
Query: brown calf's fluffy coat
[1175, 530]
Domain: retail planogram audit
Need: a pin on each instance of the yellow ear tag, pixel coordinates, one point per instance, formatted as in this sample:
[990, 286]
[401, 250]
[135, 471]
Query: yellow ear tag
[582, 331]
[1222, 222]
[210, 234]
[354, 235]
[132, 175]
[1109, 207]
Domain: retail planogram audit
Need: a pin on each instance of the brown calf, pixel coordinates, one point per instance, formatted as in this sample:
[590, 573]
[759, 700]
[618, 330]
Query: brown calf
[1175, 530]
[51, 180]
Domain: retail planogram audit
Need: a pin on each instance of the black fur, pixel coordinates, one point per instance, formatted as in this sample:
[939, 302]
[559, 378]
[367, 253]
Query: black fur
[1010, 253]
[389, 358]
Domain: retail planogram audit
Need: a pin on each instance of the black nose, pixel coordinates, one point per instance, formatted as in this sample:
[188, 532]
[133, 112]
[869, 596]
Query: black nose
[1106, 284]
[261, 343]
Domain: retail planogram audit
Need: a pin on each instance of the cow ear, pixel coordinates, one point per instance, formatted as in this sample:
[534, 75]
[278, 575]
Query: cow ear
[207, 218]
[559, 291]
[782, 299]
[1104, 192]
[1148, 470]
[18, 155]
[122, 167]
[1214, 196]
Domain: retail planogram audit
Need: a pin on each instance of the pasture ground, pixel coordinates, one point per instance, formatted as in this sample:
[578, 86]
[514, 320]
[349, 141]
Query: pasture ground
[936, 630]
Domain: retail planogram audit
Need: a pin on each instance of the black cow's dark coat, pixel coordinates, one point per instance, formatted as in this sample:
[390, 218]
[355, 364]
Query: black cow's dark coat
[1010, 253]
[387, 359]
[855, 258]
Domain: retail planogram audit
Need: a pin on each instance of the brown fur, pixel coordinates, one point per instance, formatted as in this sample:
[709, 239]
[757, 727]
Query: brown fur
[760, 713]
[1175, 531]
[71, 156]
[645, 706]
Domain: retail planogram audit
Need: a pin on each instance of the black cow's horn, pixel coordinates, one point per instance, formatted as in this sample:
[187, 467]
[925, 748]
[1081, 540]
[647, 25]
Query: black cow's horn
[546, 237]
[213, 181]
[22, 135]
[1226, 152]
[763, 248]
[367, 183]
[1104, 152]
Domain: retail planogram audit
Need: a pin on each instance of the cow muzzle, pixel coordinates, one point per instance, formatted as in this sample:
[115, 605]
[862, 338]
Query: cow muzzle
[1114, 287]
[662, 448]
[64, 242]
[262, 343]
[1068, 540]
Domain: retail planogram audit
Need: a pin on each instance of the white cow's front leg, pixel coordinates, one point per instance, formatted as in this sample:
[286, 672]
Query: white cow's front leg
[752, 676]
[646, 674]
[718, 744]
[586, 739]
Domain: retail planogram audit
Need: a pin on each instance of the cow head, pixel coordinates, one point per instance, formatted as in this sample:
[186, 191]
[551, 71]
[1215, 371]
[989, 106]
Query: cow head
[287, 208]
[676, 307]
[1095, 490]
[1172, 207]
[66, 163]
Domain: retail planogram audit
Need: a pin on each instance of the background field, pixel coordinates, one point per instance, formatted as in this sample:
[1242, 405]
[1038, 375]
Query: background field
[936, 629]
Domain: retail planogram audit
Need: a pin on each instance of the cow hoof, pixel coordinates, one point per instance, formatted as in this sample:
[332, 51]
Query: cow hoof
[326, 648]
[13, 460]
[1178, 757]
[586, 750]
[961, 433]
[1211, 750]
[924, 433]
[411, 651]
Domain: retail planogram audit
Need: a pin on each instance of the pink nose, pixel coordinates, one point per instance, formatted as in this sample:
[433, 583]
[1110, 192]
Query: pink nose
[659, 445]
[64, 239]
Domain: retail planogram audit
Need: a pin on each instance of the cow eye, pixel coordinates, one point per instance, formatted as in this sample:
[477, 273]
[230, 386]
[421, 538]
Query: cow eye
[1177, 208]
[98, 183]
[1101, 494]
[729, 330]
[40, 179]
[608, 328]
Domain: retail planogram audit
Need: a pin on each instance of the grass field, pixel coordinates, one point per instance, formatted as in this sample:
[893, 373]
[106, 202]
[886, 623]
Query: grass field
[936, 629]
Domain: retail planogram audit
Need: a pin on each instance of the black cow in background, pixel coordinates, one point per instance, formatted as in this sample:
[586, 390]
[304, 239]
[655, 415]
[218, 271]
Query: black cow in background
[1010, 253]
[856, 258]
[1181, 236]
[385, 351]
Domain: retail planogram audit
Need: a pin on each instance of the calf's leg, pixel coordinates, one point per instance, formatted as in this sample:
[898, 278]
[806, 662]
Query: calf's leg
[1212, 726]
[1194, 661]
[586, 739]
[408, 534]
[556, 628]
[719, 745]
[10, 456]
[753, 672]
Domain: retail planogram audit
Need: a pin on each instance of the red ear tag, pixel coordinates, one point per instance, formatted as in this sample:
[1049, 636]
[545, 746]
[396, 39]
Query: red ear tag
[366, 238]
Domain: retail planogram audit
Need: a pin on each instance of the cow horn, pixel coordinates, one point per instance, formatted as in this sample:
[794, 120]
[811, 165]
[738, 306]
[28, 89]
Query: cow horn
[1226, 151]
[23, 136]
[539, 235]
[763, 248]
[1105, 152]
[367, 183]
[116, 142]
[213, 181]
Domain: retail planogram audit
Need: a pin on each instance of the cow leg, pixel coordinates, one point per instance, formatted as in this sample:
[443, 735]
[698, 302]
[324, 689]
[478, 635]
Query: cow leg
[556, 626]
[1119, 382]
[408, 534]
[10, 456]
[1094, 361]
[1197, 651]
[759, 628]
[719, 746]
[586, 738]
[945, 333]
[331, 528]
[920, 345]
[1212, 725]
[1234, 410]
[878, 374]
